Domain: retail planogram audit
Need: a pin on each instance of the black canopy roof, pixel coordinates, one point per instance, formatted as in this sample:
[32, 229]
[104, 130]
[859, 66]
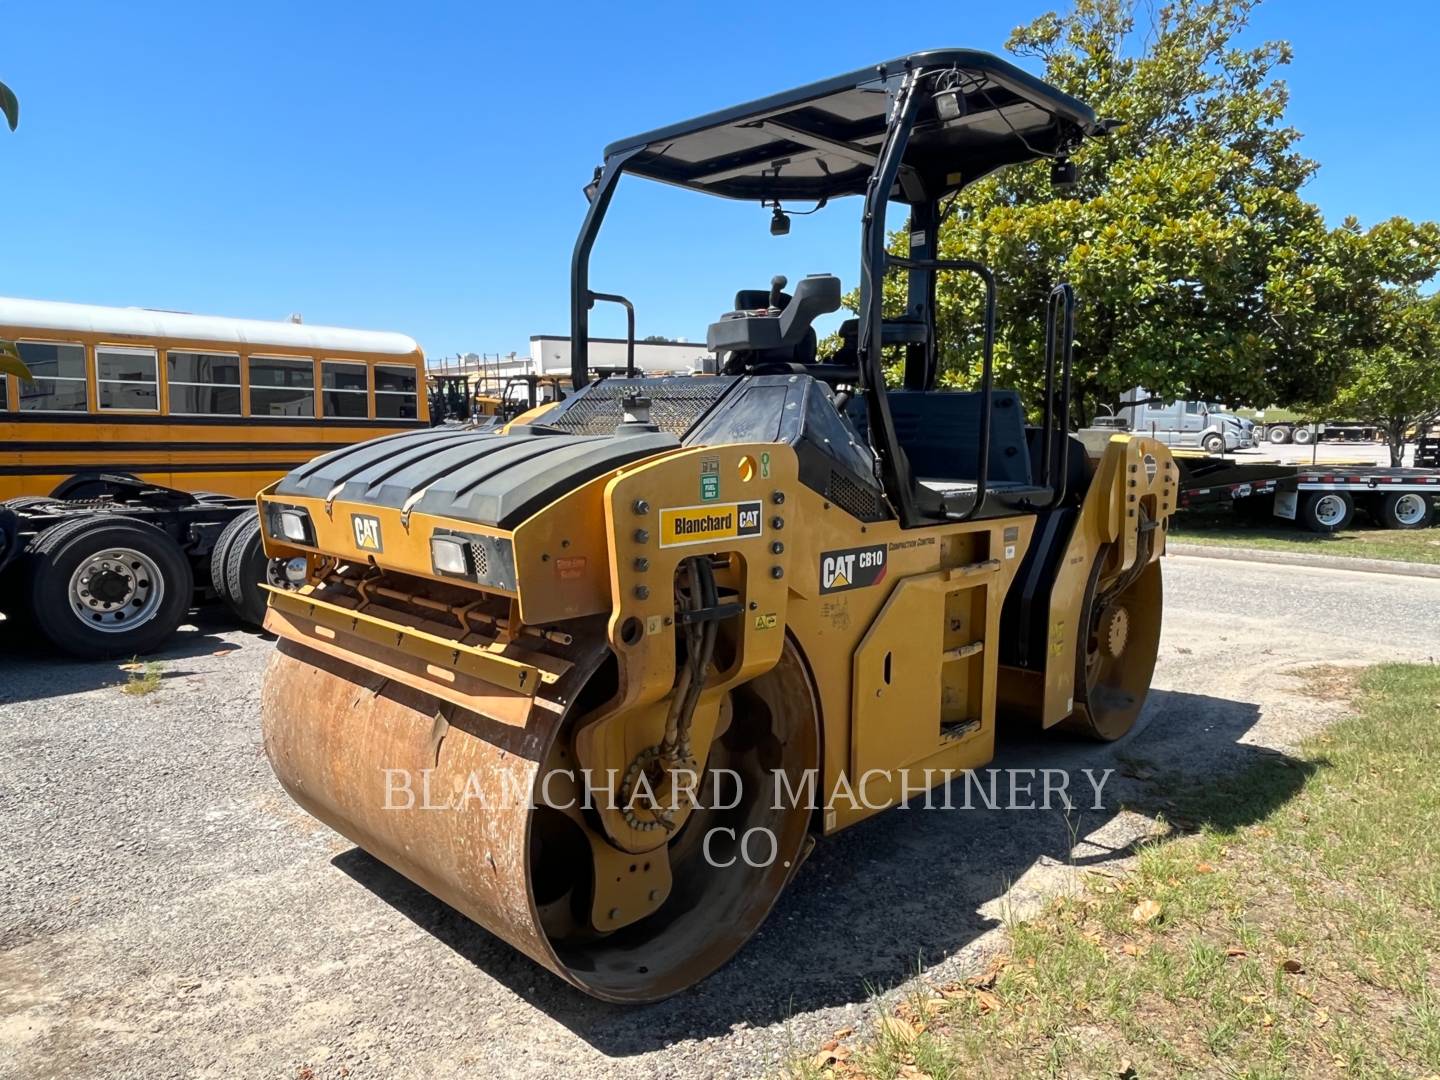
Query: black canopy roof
[820, 141]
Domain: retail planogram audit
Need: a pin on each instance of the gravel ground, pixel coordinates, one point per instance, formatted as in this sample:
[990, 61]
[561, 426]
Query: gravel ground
[166, 911]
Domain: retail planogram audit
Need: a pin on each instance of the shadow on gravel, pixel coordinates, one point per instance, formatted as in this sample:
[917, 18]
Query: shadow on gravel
[32, 669]
[903, 890]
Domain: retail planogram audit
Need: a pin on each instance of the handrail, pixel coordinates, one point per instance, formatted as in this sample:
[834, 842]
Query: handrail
[616, 298]
[1061, 303]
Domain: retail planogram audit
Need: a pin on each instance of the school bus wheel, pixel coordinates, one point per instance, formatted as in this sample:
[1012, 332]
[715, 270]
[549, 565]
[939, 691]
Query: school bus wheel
[105, 587]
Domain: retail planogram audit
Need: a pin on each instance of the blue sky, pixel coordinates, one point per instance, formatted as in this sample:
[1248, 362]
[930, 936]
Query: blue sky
[417, 167]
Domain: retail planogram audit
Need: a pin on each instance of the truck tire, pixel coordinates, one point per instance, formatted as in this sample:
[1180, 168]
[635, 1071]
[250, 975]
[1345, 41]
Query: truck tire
[1302, 436]
[1407, 510]
[246, 566]
[13, 605]
[1326, 511]
[1279, 436]
[1213, 444]
[108, 586]
[220, 555]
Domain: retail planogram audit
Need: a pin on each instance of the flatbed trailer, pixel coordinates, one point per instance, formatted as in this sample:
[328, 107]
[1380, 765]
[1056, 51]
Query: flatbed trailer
[114, 575]
[1322, 498]
[1281, 432]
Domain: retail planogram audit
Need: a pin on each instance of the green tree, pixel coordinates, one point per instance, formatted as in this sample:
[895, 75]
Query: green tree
[1396, 382]
[1202, 271]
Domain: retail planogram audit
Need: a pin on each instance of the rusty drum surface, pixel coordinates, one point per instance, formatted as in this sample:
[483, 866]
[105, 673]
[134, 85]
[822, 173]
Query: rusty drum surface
[439, 795]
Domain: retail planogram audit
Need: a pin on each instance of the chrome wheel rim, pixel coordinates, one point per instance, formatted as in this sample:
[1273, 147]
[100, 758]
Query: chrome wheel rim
[1409, 509]
[115, 590]
[1330, 510]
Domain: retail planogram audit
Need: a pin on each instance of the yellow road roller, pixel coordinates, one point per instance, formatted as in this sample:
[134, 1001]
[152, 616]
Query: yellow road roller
[600, 677]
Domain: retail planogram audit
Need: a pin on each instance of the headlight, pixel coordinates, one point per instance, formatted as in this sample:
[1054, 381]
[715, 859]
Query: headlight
[292, 526]
[450, 556]
[483, 559]
[290, 523]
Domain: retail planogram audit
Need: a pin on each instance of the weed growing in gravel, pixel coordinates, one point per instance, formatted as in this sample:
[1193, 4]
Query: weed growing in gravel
[144, 678]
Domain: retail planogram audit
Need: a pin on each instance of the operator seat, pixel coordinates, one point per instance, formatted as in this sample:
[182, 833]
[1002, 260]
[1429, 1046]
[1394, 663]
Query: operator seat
[779, 336]
[902, 331]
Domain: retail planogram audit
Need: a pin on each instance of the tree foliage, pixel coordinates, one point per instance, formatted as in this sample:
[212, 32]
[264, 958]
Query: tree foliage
[1396, 382]
[9, 106]
[1202, 271]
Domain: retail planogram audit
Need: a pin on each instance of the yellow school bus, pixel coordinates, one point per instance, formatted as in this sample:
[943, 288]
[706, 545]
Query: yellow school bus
[195, 402]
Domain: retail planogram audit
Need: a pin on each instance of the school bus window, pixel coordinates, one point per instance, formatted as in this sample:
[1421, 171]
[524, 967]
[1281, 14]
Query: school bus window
[203, 384]
[59, 377]
[126, 378]
[345, 389]
[395, 394]
[280, 387]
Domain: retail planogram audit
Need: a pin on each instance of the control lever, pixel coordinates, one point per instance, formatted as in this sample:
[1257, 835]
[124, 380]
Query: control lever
[777, 283]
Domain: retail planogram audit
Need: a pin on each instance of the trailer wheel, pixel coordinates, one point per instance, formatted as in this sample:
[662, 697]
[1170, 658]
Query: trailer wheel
[1327, 511]
[1278, 435]
[246, 566]
[111, 586]
[1407, 510]
[1302, 436]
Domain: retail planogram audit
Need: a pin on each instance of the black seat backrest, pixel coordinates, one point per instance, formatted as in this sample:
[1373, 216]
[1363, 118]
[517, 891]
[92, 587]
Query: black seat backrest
[939, 430]
[1077, 471]
[758, 299]
[892, 332]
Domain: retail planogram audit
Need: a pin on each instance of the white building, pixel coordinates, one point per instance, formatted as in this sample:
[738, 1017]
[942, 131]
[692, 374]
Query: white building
[550, 353]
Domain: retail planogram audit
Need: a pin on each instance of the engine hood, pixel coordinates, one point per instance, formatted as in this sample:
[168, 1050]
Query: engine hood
[490, 478]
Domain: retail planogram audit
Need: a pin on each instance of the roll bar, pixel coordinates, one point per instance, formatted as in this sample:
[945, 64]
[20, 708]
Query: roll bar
[920, 187]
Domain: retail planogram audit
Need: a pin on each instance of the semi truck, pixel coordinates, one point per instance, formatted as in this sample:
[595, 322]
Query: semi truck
[1203, 424]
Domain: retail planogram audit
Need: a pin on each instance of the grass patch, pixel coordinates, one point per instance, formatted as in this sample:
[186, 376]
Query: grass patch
[1289, 934]
[144, 678]
[1227, 528]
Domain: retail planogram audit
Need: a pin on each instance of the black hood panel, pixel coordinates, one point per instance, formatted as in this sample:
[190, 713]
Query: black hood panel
[469, 474]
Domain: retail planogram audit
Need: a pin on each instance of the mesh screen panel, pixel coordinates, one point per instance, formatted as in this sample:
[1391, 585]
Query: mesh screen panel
[675, 404]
